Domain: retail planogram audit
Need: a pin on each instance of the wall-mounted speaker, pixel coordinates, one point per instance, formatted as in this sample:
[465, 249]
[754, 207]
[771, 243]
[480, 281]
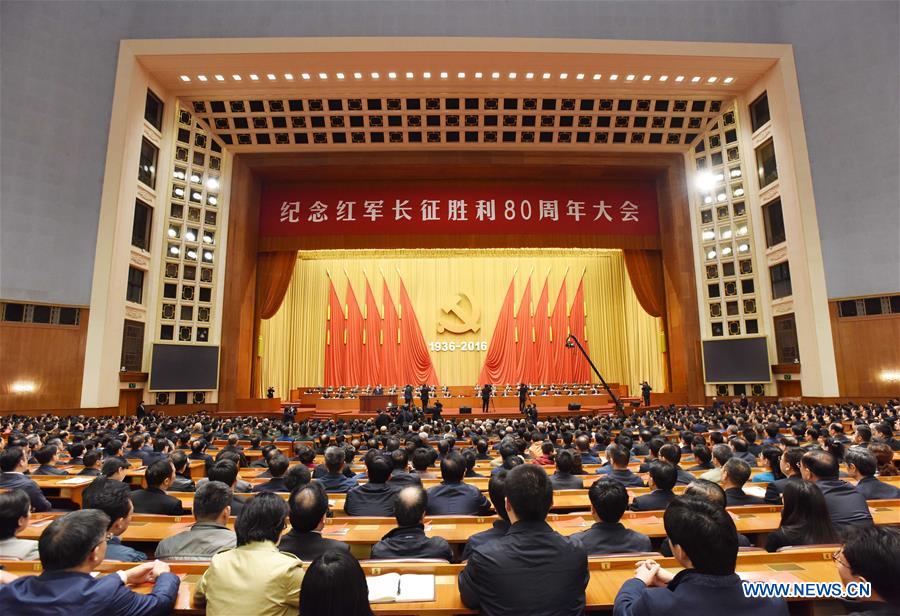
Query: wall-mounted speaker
[465, 410]
[574, 406]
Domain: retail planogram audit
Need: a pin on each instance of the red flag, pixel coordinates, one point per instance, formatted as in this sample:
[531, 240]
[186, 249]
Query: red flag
[373, 339]
[414, 357]
[356, 365]
[559, 326]
[335, 374]
[579, 367]
[525, 372]
[542, 337]
[500, 362]
[390, 350]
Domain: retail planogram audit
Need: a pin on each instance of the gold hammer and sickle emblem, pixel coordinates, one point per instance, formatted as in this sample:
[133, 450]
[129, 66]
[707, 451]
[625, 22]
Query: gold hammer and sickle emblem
[459, 316]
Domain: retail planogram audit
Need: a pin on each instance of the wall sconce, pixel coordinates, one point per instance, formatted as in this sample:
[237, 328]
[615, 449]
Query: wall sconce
[22, 387]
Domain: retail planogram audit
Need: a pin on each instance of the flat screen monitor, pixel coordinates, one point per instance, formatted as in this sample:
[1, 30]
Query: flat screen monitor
[736, 360]
[184, 367]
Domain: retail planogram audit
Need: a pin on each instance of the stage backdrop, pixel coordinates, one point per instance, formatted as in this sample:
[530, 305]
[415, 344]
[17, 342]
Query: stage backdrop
[457, 297]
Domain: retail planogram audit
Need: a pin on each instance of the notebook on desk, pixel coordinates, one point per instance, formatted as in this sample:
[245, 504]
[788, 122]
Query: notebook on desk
[397, 588]
[75, 481]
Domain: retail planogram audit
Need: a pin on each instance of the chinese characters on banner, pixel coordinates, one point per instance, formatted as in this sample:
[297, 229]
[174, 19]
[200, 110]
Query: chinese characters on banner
[357, 208]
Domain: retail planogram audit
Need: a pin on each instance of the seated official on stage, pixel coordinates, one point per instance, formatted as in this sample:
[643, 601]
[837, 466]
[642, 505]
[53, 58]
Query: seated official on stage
[408, 540]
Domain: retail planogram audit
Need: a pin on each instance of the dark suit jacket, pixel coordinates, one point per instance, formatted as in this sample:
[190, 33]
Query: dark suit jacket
[873, 489]
[626, 478]
[275, 484]
[371, 499]
[154, 500]
[656, 500]
[456, 499]
[683, 477]
[846, 506]
[411, 542]
[566, 481]
[18, 481]
[337, 483]
[611, 538]
[694, 593]
[309, 546]
[46, 469]
[237, 505]
[61, 592]
[531, 571]
[402, 479]
[478, 539]
[182, 484]
[735, 497]
[137, 454]
[91, 472]
[776, 488]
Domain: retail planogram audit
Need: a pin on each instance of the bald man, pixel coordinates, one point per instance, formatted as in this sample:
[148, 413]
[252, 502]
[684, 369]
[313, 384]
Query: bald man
[408, 540]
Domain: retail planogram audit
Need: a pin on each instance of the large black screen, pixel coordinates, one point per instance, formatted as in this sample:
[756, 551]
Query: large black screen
[740, 360]
[182, 367]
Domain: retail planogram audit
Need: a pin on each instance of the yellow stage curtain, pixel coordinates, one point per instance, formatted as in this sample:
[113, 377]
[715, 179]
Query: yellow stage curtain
[622, 338]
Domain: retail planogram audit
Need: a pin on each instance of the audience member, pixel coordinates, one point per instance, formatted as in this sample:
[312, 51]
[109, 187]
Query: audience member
[335, 585]
[609, 500]
[563, 479]
[112, 498]
[618, 458]
[452, 496]
[278, 465]
[226, 471]
[790, 467]
[400, 475]
[210, 533]
[183, 481]
[48, 458]
[114, 468]
[334, 479]
[862, 465]
[872, 554]
[408, 540]
[15, 514]
[662, 480]
[90, 460]
[308, 512]
[846, 506]
[13, 465]
[721, 454]
[376, 497]
[153, 498]
[804, 518]
[496, 491]
[735, 474]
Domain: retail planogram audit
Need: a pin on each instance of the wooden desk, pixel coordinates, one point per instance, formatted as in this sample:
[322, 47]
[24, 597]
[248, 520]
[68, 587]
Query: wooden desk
[63, 486]
[374, 403]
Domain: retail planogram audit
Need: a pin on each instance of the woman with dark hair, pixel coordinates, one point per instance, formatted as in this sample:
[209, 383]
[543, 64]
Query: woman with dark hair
[770, 459]
[804, 518]
[885, 458]
[335, 584]
[255, 577]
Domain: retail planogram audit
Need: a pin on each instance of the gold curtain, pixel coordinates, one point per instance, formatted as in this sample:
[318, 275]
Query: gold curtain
[621, 337]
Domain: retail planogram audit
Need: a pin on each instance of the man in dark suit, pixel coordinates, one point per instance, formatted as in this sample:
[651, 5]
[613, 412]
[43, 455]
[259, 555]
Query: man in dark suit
[452, 496]
[137, 450]
[741, 450]
[198, 452]
[72, 547]
[705, 542]
[400, 476]
[790, 466]
[376, 497]
[309, 510]
[48, 456]
[154, 499]
[846, 506]
[497, 492]
[609, 500]
[861, 464]
[532, 569]
[618, 457]
[334, 480]
[278, 465]
[182, 483]
[583, 447]
[523, 396]
[672, 454]
[424, 393]
[408, 540]
[378, 391]
[91, 459]
[13, 464]
[226, 471]
[486, 397]
[735, 474]
[563, 479]
[232, 446]
[662, 480]
[408, 395]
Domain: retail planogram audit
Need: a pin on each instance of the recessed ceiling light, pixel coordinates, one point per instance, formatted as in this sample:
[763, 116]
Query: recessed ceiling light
[323, 75]
[546, 75]
[289, 76]
[236, 77]
[646, 77]
[339, 75]
[254, 77]
[375, 76]
[679, 78]
[392, 75]
[460, 75]
[271, 77]
[664, 78]
[357, 75]
[410, 75]
[705, 181]
[728, 80]
[212, 183]
[443, 74]
[512, 75]
[613, 77]
[495, 75]
[220, 77]
[185, 78]
[306, 76]
[199, 78]
[579, 76]
[564, 75]
[426, 75]
[629, 77]
[712, 80]
[529, 75]
[596, 76]
[695, 79]
[479, 75]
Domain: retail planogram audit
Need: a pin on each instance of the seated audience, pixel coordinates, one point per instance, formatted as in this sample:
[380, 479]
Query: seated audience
[846, 506]
[609, 500]
[278, 465]
[153, 498]
[71, 548]
[335, 584]
[112, 498]
[704, 541]
[711, 493]
[741, 450]
[548, 453]
[872, 554]
[114, 468]
[210, 533]
[334, 479]
[862, 465]
[804, 518]
[408, 540]
[702, 457]
[583, 447]
[563, 479]
[198, 452]
[48, 458]
[376, 497]
[499, 574]
[422, 459]
[90, 460]
[15, 514]
[452, 496]
[183, 481]
[790, 467]
[296, 477]
[662, 480]
[226, 471]
[770, 459]
[672, 454]
[885, 459]
[308, 511]
[255, 577]
[735, 474]
[13, 465]
[496, 491]
[721, 453]
[400, 475]
[618, 458]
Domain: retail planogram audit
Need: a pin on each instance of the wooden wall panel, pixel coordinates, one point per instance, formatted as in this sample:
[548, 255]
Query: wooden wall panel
[864, 348]
[50, 356]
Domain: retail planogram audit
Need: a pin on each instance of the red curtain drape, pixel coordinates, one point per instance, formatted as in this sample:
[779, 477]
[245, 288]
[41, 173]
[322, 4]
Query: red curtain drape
[390, 350]
[524, 356]
[355, 361]
[415, 359]
[579, 368]
[559, 329]
[645, 270]
[500, 362]
[373, 339]
[335, 348]
[274, 271]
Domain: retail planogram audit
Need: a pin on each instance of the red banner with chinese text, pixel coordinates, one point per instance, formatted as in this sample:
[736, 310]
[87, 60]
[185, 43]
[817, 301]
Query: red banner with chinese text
[440, 208]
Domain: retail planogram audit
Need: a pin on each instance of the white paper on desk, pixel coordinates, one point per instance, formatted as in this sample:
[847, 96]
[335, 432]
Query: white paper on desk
[406, 588]
[755, 491]
[75, 481]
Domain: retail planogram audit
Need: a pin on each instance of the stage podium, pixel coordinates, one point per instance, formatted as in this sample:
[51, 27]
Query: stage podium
[373, 403]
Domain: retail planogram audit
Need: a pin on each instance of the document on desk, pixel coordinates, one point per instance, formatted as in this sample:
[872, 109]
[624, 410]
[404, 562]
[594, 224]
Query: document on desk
[397, 588]
[75, 481]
